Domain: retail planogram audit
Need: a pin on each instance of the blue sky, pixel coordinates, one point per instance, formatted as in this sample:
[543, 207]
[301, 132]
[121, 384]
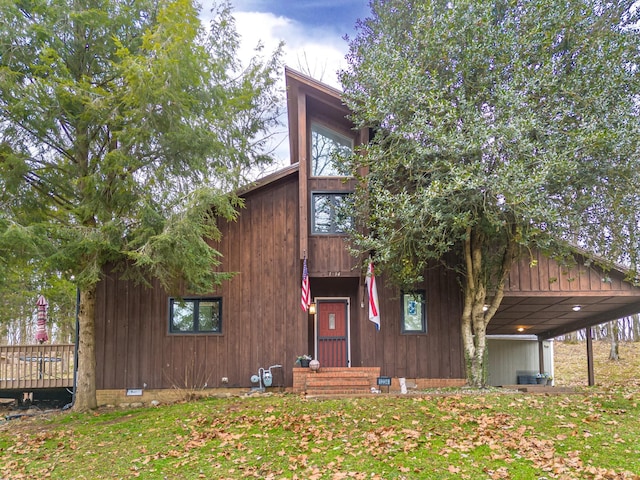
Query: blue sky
[338, 16]
[312, 30]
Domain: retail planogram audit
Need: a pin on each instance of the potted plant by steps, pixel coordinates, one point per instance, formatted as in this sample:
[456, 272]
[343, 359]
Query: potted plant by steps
[303, 360]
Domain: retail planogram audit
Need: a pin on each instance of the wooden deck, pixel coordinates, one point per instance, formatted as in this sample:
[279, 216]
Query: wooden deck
[34, 367]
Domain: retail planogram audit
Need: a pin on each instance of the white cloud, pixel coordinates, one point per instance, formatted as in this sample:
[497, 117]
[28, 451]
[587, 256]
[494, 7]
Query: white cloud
[313, 51]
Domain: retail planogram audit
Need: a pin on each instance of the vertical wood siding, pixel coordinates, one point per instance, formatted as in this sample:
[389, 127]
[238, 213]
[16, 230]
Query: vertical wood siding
[262, 323]
[436, 354]
[541, 274]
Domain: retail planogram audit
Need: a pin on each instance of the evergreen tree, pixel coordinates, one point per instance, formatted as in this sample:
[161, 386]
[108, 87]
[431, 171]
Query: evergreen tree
[124, 125]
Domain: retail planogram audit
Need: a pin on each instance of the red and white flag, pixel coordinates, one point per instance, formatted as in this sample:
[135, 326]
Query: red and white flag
[372, 293]
[305, 299]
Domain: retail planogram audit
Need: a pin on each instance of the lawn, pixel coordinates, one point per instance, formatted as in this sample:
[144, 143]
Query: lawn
[459, 434]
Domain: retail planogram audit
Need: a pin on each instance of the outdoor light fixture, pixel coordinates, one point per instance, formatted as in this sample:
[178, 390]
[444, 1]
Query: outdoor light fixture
[521, 329]
[312, 309]
[576, 308]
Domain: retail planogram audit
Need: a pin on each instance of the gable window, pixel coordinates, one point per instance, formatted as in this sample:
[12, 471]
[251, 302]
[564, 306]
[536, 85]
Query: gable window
[195, 315]
[329, 213]
[414, 317]
[326, 145]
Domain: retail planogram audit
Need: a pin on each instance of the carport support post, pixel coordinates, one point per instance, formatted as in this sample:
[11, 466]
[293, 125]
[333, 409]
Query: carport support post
[541, 355]
[588, 334]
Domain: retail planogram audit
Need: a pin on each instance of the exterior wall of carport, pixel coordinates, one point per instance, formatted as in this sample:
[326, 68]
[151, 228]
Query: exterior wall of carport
[510, 354]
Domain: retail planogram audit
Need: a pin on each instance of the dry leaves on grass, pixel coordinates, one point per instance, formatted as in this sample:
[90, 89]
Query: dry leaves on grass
[465, 436]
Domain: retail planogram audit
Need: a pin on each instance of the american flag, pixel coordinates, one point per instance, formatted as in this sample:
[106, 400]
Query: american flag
[305, 300]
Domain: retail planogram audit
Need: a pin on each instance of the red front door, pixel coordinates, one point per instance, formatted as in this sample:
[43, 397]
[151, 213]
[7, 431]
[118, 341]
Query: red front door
[332, 333]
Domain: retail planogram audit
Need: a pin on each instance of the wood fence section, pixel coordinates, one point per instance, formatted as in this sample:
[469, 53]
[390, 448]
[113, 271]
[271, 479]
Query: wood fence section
[36, 366]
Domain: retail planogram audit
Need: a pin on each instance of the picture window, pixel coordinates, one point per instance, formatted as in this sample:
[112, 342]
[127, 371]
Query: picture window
[195, 315]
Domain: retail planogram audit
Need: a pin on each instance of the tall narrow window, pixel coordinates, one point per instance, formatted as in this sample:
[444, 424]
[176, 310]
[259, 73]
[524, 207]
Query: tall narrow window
[195, 315]
[326, 146]
[330, 213]
[414, 317]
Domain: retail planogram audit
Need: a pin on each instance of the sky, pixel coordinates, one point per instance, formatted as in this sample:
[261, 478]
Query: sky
[313, 33]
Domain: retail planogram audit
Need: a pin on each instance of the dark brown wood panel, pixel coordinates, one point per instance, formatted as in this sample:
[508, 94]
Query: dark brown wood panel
[101, 326]
[136, 342]
[263, 323]
[436, 354]
[158, 324]
[121, 325]
[546, 275]
[331, 184]
[329, 257]
[261, 309]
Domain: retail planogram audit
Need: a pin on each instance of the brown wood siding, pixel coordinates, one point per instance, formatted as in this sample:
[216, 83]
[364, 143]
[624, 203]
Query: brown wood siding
[302, 150]
[436, 354]
[328, 254]
[329, 257]
[545, 276]
[261, 315]
[263, 323]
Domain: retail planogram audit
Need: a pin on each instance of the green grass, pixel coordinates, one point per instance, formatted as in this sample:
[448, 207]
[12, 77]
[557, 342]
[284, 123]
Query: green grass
[591, 434]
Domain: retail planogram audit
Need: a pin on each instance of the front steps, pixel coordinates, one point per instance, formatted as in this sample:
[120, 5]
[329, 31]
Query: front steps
[335, 380]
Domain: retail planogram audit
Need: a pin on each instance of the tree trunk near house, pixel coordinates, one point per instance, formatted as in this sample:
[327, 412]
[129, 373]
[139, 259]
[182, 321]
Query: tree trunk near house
[85, 398]
[635, 321]
[478, 310]
[614, 330]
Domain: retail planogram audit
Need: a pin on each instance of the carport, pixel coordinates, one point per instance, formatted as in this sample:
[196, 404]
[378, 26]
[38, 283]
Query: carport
[545, 299]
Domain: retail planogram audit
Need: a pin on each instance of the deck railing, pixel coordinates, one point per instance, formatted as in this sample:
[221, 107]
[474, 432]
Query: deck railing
[36, 366]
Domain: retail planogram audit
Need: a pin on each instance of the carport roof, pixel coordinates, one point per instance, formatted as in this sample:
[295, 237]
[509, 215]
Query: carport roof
[551, 315]
[547, 299]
